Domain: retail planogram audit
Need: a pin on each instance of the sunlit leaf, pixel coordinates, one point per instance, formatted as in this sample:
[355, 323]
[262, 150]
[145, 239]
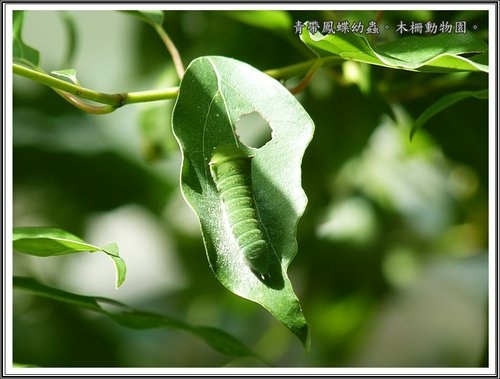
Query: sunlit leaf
[67, 74]
[48, 242]
[438, 53]
[121, 269]
[214, 93]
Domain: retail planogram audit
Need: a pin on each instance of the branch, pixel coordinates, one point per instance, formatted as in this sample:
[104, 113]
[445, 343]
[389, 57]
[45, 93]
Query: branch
[174, 53]
[310, 74]
[72, 92]
[310, 68]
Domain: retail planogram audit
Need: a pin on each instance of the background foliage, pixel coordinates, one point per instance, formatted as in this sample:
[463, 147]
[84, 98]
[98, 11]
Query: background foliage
[392, 262]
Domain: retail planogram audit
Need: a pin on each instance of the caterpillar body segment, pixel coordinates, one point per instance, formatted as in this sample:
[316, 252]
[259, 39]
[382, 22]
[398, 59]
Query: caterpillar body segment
[230, 169]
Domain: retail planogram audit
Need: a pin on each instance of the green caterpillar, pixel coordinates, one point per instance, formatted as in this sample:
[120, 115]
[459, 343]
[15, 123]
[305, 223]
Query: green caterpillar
[230, 168]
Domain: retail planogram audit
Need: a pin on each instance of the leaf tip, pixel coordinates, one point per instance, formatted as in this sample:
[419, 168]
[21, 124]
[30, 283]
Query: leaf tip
[412, 132]
[306, 339]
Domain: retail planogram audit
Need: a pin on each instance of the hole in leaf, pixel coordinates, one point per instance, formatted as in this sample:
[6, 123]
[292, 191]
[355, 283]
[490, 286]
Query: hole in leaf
[252, 130]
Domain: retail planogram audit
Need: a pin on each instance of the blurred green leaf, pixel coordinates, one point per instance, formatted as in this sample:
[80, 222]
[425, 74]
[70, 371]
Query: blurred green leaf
[157, 138]
[214, 93]
[223, 342]
[31, 285]
[136, 319]
[71, 36]
[275, 20]
[149, 16]
[437, 53]
[218, 339]
[47, 242]
[22, 53]
[443, 103]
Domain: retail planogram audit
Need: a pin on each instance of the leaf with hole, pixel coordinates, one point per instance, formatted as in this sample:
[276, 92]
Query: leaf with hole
[214, 94]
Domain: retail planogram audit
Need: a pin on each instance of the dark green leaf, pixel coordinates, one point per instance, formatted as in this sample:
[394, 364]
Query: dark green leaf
[136, 319]
[221, 341]
[214, 93]
[22, 53]
[443, 103]
[438, 53]
[47, 242]
[31, 285]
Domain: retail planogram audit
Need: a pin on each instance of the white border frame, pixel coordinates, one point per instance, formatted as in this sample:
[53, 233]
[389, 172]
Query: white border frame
[7, 368]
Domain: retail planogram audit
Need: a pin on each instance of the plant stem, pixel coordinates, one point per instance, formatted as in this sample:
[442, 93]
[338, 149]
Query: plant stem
[153, 95]
[300, 68]
[176, 57]
[83, 105]
[114, 100]
[75, 93]
[310, 74]
[289, 71]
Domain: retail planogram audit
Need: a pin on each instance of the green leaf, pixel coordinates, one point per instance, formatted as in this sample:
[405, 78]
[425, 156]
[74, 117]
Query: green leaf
[443, 103]
[31, 285]
[275, 20]
[214, 93]
[69, 74]
[22, 53]
[48, 242]
[150, 16]
[218, 339]
[438, 53]
[137, 319]
[157, 139]
[71, 36]
[121, 269]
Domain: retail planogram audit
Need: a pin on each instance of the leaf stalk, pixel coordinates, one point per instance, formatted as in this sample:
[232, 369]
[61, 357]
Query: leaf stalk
[74, 93]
